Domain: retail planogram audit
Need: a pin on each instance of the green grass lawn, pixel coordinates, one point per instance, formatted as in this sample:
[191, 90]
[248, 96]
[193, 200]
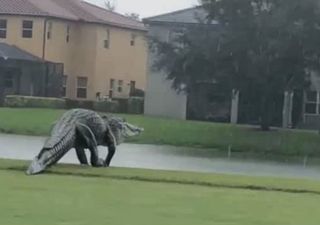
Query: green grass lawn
[180, 133]
[76, 195]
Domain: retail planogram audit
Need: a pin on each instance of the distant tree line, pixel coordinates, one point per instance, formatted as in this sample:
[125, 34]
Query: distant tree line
[260, 48]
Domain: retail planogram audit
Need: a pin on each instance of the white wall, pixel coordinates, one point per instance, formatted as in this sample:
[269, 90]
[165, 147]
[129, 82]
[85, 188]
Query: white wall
[161, 99]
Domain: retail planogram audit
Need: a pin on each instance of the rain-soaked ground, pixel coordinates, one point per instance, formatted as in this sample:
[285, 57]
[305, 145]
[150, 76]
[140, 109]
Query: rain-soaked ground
[165, 158]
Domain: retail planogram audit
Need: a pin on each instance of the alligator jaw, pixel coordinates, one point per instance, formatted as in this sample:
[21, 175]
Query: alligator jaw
[131, 130]
[35, 168]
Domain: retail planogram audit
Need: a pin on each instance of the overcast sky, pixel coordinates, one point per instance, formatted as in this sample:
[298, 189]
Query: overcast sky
[147, 8]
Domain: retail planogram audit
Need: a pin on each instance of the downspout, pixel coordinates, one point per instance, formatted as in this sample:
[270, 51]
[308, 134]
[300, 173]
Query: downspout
[44, 39]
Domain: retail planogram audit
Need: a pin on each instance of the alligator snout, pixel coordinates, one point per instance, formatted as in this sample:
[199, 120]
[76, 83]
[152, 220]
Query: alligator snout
[36, 167]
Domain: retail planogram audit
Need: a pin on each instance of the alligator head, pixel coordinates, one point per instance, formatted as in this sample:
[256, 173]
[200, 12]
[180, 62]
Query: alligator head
[129, 130]
[38, 164]
[121, 129]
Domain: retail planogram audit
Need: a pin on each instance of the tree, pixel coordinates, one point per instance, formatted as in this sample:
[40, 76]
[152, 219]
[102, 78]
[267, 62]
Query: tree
[110, 5]
[134, 16]
[261, 48]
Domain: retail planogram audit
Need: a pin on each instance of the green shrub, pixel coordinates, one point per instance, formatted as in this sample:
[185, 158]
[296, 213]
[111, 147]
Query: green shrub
[135, 105]
[138, 93]
[15, 101]
[107, 106]
[72, 104]
[122, 105]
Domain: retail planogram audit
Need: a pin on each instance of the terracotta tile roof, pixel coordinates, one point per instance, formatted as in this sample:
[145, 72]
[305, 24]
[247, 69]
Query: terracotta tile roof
[20, 7]
[112, 17]
[77, 10]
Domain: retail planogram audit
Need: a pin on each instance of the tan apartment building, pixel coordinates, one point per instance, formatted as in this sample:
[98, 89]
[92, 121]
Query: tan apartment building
[103, 53]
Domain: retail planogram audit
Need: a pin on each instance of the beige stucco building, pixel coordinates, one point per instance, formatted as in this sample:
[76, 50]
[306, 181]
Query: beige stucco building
[103, 53]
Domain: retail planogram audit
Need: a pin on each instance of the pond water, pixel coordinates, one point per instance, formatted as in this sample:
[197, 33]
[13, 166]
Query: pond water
[164, 158]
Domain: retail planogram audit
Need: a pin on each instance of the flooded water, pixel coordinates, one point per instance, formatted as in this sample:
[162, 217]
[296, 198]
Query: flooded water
[164, 158]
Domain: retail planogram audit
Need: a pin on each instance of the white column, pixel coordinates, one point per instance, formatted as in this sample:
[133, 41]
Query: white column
[234, 106]
[290, 122]
[287, 109]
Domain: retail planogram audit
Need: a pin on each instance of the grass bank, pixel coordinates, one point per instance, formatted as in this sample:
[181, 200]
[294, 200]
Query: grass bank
[180, 133]
[77, 195]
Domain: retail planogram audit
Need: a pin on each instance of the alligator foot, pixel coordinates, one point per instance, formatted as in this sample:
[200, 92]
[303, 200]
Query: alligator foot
[99, 163]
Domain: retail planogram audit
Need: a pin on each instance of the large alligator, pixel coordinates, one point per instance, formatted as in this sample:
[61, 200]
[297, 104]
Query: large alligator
[83, 129]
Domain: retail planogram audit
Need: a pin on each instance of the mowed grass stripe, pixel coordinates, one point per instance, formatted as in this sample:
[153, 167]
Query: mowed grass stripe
[61, 200]
[183, 178]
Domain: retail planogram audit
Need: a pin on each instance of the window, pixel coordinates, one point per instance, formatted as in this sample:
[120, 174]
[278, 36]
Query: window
[132, 87]
[49, 32]
[68, 34]
[64, 85]
[8, 80]
[27, 26]
[120, 86]
[112, 84]
[107, 40]
[133, 39]
[312, 102]
[82, 84]
[110, 94]
[3, 28]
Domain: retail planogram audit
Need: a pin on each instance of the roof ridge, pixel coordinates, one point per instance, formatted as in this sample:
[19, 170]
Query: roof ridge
[173, 13]
[75, 10]
[40, 10]
[109, 11]
[51, 13]
[73, 6]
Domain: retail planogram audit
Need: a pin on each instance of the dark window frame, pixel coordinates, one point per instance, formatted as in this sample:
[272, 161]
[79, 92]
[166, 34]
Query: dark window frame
[120, 86]
[133, 39]
[112, 84]
[312, 103]
[27, 28]
[3, 28]
[49, 31]
[132, 86]
[106, 42]
[68, 34]
[82, 89]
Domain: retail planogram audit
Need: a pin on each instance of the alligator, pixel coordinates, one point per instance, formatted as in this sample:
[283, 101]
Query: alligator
[83, 129]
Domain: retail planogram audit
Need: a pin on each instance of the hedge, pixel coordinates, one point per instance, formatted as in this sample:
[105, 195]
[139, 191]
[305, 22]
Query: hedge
[15, 101]
[132, 105]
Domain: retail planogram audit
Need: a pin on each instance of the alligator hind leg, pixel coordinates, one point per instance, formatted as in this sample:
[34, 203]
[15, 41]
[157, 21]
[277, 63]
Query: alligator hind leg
[90, 141]
[82, 156]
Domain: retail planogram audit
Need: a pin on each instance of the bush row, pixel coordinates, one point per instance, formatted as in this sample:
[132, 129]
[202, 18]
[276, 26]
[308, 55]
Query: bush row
[133, 105]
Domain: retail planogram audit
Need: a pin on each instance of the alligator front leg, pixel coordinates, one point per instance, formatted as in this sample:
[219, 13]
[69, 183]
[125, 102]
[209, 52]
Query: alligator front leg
[111, 143]
[82, 156]
[90, 141]
[111, 151]
[95, 160]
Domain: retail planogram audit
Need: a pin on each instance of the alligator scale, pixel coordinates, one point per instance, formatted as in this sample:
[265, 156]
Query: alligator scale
[83, 129]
